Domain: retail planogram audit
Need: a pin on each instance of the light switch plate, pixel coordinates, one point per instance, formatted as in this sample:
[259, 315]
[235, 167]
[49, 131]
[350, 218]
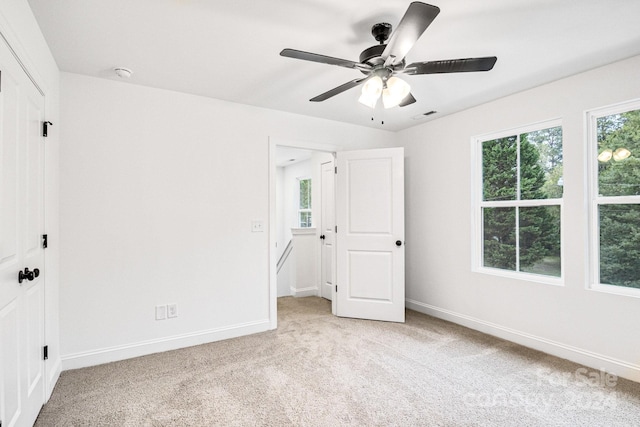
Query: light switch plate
[161, 312]
[257, 226]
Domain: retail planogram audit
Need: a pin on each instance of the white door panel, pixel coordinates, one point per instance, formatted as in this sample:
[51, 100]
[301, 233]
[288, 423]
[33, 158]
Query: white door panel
[370, 238]
[21, 229]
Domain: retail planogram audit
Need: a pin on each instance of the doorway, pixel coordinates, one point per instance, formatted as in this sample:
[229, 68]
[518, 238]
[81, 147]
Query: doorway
[290, 163]
[367, 278]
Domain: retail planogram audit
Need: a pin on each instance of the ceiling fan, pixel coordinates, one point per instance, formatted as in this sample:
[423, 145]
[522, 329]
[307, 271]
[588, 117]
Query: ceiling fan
[382, 63]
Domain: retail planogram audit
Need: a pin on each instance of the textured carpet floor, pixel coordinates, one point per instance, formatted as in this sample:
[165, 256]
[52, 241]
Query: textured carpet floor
[320, 370]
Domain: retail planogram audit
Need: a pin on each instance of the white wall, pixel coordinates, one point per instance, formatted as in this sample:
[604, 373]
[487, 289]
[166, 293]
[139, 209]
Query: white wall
[158, 192]
[304, 259]
[19, 27]
[598, 329]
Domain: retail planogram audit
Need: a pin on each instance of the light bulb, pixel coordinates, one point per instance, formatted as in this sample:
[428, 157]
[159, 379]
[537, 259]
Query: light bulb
[395, 92]
[605, 156]
[621, 154]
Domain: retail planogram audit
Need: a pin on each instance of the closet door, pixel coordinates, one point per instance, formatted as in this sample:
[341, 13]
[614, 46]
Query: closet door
[21, 251]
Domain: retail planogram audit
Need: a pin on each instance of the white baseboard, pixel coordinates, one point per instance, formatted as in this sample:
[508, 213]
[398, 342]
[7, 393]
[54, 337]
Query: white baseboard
[584, 357]
[305, 292]
[128, 351]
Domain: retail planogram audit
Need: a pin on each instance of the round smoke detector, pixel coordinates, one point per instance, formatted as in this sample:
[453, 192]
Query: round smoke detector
[123, 73]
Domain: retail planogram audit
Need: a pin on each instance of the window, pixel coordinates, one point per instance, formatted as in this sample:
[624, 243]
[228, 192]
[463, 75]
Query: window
[519, 202]
[304, 205]
[614, 136]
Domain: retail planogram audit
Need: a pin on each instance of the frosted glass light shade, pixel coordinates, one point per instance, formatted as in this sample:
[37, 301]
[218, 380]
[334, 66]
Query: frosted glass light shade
[371, 91]
[395, 92]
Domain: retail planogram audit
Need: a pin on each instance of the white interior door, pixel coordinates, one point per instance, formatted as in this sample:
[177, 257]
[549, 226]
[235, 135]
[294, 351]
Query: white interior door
[21, 229]
[327, 228]
[370, 236]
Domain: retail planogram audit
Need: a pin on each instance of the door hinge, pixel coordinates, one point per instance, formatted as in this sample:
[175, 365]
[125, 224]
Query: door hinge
[336, 288]
[336, 228]
[45, 352]
[45, 241]
[335, 170]
[45, 128]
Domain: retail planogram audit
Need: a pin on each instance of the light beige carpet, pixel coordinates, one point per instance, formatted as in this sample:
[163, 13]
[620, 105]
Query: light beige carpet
[320, 370]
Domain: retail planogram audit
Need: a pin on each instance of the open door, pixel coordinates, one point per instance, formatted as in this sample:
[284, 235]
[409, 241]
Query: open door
[370, 234]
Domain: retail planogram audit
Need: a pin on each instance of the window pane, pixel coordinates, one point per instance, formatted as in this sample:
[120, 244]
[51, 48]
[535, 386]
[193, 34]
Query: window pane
[499, 169]
[305, 219]
[620, 245]
[541, 164]
[305, 194]
[618, 161]
[540, 240]
[499, 226]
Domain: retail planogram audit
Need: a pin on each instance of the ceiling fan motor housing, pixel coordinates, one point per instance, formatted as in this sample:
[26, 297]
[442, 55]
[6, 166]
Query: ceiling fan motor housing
[373, 55]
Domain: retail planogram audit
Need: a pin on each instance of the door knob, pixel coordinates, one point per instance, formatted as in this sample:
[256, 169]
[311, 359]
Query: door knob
[398, 243]
[28, 275]
[322, 236]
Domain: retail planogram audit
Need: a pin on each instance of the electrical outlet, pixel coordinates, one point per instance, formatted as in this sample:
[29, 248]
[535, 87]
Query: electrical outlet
[257, 226]
[161, 312]
[172, 310]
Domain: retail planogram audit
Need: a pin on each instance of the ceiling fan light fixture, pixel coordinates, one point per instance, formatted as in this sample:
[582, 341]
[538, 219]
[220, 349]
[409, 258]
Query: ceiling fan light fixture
[371, 91]
[395, 92]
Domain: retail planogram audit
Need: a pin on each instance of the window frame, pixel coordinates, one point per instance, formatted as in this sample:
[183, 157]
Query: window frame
[478, 204]
[304, 210]
[595, 201]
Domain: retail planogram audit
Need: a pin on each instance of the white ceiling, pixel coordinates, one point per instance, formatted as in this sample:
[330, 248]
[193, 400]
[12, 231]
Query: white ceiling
[229, 49]
[287, 156]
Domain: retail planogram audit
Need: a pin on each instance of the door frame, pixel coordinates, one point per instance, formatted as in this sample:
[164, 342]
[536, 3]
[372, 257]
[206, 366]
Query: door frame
[274, 143]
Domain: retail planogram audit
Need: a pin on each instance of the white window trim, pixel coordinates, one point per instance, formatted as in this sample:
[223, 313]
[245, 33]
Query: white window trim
[595, 201]
[477, 204]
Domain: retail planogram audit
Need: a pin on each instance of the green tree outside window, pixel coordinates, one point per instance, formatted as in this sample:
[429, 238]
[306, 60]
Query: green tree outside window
[524, 167]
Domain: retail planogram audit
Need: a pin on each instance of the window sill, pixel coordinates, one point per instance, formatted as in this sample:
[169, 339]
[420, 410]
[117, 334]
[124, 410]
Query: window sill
[616, 290]
[303, 230]
[529, 277]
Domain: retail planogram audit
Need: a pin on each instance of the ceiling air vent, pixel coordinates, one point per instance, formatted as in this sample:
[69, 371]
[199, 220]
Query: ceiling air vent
[423, 115]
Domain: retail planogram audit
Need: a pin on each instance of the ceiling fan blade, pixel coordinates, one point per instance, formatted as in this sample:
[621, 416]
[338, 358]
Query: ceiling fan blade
[408, 100]
[323, 59]
[415, 20]
[337, 90]
[452, 66]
